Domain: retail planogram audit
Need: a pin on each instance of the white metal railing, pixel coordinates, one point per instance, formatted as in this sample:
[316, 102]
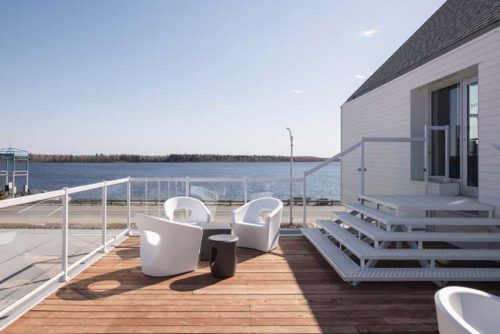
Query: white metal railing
[184, 186]
[63, 194]
[361, 146]
[214, 179]
[306, 173]
[16, 172]
[244, 181]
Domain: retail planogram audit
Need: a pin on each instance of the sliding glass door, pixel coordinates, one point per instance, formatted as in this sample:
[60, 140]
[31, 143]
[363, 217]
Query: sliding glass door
[445, 110]
[456, 106]
[470, 180]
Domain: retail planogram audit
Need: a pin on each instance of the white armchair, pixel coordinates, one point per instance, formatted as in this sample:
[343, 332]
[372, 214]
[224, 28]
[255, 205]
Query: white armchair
[167, 248]
[463, 310]
[254, 231]
[198, 212]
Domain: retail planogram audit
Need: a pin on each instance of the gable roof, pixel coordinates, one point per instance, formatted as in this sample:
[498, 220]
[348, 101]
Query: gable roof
[453, 24]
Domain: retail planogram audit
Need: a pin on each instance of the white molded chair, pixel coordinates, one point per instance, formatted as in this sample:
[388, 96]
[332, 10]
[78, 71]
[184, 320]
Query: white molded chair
[167, 248]
[464, 310]
[199, 213]
[252, 230]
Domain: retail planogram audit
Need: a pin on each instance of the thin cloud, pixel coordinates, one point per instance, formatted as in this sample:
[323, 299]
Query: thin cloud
[369, 33]
[361, 76]
[297, 91]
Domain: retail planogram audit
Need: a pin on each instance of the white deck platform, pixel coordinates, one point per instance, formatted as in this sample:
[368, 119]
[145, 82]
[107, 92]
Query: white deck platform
[391, 220]
[428, 203]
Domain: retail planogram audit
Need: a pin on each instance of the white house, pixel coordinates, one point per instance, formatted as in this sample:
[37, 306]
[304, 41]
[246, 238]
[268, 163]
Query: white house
[446, 74]
[421, 158]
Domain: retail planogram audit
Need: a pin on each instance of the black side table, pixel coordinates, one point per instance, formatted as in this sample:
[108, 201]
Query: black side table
[223, 255]
[210, 229]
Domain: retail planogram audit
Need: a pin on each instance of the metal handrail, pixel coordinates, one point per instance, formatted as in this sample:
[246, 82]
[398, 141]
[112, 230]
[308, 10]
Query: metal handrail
[310, 171]
[215, 179]
[5, 203]
[335, 158]
[57, 193]
[361, 145]
[392, 139]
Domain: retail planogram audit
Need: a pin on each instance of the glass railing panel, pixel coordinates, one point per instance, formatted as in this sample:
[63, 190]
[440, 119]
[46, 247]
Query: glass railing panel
[280, 189]
[323, 193]
[85, 224]
[221, 198]
[146, 198]
[30, 248]
[117, 211]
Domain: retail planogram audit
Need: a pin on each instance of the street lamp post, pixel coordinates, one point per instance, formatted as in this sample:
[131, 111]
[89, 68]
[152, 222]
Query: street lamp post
[291, 175]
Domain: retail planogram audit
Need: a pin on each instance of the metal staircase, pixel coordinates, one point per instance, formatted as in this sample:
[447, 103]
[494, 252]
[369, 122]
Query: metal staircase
[376, 229]
[406, 237]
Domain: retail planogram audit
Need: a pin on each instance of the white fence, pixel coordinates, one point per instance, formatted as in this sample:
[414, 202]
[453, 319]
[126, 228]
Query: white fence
[63, 195]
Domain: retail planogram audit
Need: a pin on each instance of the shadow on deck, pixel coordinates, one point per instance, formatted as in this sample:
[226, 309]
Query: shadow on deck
[290, 290]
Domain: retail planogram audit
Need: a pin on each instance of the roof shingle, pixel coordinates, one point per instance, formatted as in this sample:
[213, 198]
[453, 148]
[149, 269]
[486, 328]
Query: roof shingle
[453, 24]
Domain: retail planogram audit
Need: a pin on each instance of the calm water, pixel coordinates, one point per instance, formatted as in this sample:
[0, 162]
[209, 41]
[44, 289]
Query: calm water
[52, 176]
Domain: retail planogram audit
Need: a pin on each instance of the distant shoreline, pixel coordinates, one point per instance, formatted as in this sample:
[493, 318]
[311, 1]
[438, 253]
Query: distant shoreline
[171, 158]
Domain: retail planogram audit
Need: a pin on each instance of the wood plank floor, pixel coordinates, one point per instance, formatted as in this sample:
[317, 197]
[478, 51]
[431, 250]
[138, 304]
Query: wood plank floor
[290, 290]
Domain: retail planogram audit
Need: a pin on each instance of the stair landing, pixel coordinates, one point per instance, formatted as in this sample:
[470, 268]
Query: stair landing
[428, 203]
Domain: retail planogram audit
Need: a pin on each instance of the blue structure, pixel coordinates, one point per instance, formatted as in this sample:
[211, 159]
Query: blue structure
[14, 167]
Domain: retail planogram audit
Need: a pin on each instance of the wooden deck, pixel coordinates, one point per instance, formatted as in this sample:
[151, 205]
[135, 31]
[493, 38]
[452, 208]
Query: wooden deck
[290, 290]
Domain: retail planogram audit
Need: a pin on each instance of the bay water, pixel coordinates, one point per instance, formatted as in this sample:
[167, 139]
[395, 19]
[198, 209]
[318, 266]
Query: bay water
[325, 183]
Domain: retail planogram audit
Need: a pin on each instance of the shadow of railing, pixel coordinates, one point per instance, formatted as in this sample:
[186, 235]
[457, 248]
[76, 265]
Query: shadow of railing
[289, 286]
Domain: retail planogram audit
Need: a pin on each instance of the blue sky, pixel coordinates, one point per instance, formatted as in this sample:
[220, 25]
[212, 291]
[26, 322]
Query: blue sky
[159, 77]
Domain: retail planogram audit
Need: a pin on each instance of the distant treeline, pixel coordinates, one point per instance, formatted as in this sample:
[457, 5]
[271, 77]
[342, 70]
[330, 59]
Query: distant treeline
[166, 158]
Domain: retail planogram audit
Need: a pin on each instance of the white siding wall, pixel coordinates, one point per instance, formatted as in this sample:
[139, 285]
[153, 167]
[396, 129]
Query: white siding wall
[385, 111]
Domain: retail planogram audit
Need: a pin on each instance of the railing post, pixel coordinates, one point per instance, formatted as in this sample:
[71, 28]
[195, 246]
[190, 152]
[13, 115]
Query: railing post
[159, 192]
[7, 172]
[129, 205]
[146, 195]
[362, 167]
[446, 152]
[14, 190]
[187, 187]
[65, 225]
[426, 158]
[245, 189]
[304, 200]
[104, 217]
